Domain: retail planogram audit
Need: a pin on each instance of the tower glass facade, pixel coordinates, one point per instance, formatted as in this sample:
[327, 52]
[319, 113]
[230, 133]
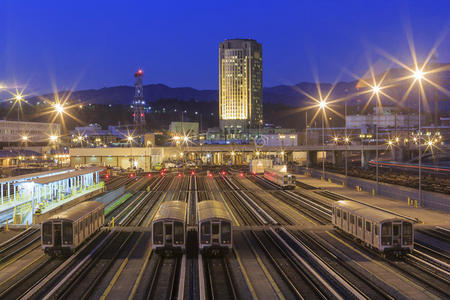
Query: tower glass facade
[240, 85]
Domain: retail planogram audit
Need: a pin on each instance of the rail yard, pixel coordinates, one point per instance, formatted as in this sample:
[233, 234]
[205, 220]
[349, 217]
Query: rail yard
[229, 234]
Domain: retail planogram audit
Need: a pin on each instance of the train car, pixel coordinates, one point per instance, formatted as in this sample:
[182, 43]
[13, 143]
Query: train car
[283, 179]
[383, 231]
[64, 232]
[214, 227]
[169, 227]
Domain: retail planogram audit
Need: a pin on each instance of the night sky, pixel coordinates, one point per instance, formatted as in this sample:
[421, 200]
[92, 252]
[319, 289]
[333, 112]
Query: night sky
[96, 43]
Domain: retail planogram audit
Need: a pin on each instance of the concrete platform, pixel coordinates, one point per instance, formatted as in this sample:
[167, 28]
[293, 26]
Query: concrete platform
[12, 232]
[426, 216]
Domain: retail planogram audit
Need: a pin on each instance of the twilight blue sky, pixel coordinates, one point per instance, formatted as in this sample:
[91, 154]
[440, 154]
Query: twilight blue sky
[98, 43]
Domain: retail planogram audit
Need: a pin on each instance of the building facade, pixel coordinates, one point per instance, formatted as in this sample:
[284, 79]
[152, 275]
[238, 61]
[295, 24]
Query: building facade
[240, 86]
[27, 133]
[385, 118]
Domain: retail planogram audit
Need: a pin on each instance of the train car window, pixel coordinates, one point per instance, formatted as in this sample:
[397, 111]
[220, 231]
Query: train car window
[368, 227]
[396, 230]
[158, 233]
[215, 228]
[359, 223]
[178, 233]
[67, 233]
[47, 233]
[386, 233]
[75, 228]
[206, 228]
[352, 219]
[338, 213]
[226, 232]
[205, 232]
[407, 233]
[344, 215]
[375, 229]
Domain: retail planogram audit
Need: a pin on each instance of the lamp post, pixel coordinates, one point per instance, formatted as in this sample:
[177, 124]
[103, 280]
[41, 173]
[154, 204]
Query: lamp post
[322, 106]
[130, 140]
[345, 139]
[376, 89]
[19, 99]
[418, 75]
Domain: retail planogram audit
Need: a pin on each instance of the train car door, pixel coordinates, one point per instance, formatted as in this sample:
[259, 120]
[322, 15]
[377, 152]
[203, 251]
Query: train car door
[168, 234]
[215, 233]
[57, 235]
[396, 234]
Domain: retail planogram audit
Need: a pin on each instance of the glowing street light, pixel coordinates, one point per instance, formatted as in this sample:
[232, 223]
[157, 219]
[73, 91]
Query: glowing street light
[59, 108]
[418, 74]
[53, 138]
[322, 104]
[24, 138]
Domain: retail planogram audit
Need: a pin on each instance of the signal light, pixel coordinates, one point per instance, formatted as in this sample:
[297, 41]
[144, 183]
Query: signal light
[254, 173]
[107, 176]
[210, 175]
[179, 174]
[149, 175]
[131, 175]
[164, 170]
[192, 173]
[161, 173]
[224, 173]
[241, 174]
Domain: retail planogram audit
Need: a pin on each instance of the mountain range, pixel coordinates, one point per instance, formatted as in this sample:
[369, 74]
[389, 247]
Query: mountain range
[292, 95]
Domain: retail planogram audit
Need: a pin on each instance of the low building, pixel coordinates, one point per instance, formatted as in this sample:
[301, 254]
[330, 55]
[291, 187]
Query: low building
[385, 118]
[184, 129]
[28, 133]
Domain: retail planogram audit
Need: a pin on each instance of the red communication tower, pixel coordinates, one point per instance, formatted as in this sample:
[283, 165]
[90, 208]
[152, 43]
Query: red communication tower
[139, 103]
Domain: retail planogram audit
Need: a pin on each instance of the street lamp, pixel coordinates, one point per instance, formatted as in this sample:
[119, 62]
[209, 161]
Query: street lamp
[323, 106]
[418, 76]
[130, 140]
[376, 90]
[59, 108]
[18, 99]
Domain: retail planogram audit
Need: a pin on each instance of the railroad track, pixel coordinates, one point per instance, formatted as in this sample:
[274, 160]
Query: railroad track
[19, 244]
[242, 207]
[266, 206]
[219, 281]
[306, 205]
[291, 277]
[419, 273]
[359, 281]
[80, 280]
[163, 283]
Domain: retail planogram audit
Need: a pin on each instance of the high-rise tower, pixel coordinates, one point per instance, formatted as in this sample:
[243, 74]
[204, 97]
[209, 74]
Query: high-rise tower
[139, 103]
[240, 86]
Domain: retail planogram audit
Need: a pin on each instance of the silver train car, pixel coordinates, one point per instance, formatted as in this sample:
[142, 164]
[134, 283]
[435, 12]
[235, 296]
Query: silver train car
[169, 227]
[64, 232]
[284, 180]
[214, 227]
[382, 231]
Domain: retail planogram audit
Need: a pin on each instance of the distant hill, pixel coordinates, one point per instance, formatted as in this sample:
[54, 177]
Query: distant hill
[286, 94]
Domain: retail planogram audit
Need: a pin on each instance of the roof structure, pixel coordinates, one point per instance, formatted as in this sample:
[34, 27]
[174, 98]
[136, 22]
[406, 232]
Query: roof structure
[367, 211]
[78, 211]
[175, 210]
[46, 180]
[212, 209]
[30, 176]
